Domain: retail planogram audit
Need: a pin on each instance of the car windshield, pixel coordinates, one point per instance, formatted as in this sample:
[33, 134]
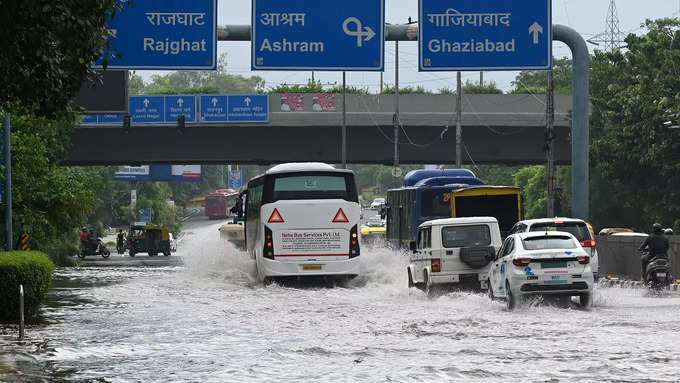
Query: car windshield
[465, 236]
[548, 242]
[577, 229]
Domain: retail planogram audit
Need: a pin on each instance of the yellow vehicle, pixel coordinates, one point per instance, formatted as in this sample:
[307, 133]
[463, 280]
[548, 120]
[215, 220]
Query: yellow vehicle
[234, 233]
[148, 238]
[374, 231]
[501, 202]
[612, 230]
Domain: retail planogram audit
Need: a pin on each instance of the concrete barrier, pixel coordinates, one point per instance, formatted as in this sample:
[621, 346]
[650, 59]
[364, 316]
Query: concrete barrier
[619, 256]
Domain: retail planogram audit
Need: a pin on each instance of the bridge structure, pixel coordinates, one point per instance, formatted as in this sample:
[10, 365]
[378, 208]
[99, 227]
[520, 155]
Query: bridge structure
[497, 129]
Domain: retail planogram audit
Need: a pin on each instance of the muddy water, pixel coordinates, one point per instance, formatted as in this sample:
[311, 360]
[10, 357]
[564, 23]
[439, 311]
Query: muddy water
[210, 321]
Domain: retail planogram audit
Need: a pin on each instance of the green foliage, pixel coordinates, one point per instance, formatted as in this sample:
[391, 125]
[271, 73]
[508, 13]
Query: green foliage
[634, 157]
[32, 269]
[348, 90]
[532, 183]
[535, 81]
[48, 201]
[199, 82]
[406, 90]
[470, 87]
[310, 87]
[48, 50]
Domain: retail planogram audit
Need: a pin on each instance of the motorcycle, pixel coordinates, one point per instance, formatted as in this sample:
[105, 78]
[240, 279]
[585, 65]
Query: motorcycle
[94, 248]
[658, 274]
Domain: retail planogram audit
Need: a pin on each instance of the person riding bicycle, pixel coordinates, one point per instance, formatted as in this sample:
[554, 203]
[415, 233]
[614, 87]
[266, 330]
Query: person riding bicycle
[657, 246]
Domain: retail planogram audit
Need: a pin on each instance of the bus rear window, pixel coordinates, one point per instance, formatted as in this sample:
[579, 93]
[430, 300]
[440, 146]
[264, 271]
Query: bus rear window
[313, 186]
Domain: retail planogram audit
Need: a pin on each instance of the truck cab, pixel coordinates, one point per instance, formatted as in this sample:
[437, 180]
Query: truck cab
[453, 252]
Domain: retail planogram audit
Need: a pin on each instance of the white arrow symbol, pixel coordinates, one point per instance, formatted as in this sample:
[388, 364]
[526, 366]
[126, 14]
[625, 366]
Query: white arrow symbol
[248, 100]
[214, 101]
[535, 28]
[367, 31]
[180, 102]
[146, 102]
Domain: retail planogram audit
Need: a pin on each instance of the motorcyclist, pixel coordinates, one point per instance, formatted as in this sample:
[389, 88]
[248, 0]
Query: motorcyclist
[120, 239]
[83, 236]
[657, 246]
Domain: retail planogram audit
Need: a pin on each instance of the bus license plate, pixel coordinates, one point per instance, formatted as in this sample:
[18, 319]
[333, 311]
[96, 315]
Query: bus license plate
[661, 275]
[311, 267]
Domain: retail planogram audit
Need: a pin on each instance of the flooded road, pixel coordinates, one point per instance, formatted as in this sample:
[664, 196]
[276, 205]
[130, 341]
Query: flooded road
[209, 321]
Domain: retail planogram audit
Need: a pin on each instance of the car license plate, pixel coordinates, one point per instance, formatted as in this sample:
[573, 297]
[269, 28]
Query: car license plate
[311, 267]
[554, 265]
[661, 275]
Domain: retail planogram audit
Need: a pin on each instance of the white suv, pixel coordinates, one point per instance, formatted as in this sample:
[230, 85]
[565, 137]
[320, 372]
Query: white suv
[577, 227]
[453, 251]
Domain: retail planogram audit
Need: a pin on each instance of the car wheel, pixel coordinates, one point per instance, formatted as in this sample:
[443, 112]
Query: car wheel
[410, 279]
[586, 300]
[490, 291]
[511, 300]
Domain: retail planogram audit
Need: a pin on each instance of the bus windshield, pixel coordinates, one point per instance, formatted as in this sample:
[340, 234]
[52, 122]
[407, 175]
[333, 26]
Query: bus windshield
[313, 186]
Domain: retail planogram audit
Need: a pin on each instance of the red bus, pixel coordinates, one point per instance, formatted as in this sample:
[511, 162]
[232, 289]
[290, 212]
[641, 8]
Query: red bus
[218, 203]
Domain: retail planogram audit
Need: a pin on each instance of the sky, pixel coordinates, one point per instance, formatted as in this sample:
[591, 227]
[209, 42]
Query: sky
[585, 16]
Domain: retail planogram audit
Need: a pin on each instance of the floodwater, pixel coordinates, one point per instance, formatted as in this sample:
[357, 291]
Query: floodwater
[210, 321]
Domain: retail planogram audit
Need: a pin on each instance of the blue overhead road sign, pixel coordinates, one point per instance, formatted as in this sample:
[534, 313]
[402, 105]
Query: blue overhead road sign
[235, 179]
[164, 34]
[318, 35]
[214, 108]
[178, 105]
[485, 35]
[248, 108]
[150, 109]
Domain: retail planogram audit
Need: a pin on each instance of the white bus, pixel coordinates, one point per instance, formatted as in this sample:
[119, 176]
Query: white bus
[302, 219]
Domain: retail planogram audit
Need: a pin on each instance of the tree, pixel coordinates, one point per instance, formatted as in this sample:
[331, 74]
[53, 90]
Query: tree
[48, 51]
[201, 82]
[535, 81]
[634, 157]
[474, 88]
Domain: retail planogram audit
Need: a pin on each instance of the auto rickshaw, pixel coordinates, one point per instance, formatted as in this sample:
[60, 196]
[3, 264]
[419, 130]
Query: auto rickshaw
[148, 238]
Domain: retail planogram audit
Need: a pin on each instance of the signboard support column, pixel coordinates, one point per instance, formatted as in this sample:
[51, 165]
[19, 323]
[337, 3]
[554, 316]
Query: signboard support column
[344, 122]
[459, 127]
[7, 147]
[550, 146]
[396, 113]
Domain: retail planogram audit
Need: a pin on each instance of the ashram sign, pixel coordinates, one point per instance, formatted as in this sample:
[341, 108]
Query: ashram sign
[316, 35]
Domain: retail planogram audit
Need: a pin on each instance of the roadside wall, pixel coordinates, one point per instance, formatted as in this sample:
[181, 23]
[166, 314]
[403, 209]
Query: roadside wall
[619, 256]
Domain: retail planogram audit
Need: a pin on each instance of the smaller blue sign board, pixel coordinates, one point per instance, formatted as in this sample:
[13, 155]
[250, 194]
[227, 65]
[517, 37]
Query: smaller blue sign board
[164, 34]
[89, 119]
[132, 173]
[235, 179]
[145, 215]
[484, 35]
[214, 108]
[248, 108]
[178, 105]
[147, 109]
[116, 119]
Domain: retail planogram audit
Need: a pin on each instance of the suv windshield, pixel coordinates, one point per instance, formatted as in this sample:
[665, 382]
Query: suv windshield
[578, 229]
[548, 242]
[465, 236]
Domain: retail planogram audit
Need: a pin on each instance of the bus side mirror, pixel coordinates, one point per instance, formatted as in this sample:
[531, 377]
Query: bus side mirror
[412, 246]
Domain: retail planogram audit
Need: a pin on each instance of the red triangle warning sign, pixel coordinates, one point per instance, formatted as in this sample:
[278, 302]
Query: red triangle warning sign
[275, 217]
[340, 216]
